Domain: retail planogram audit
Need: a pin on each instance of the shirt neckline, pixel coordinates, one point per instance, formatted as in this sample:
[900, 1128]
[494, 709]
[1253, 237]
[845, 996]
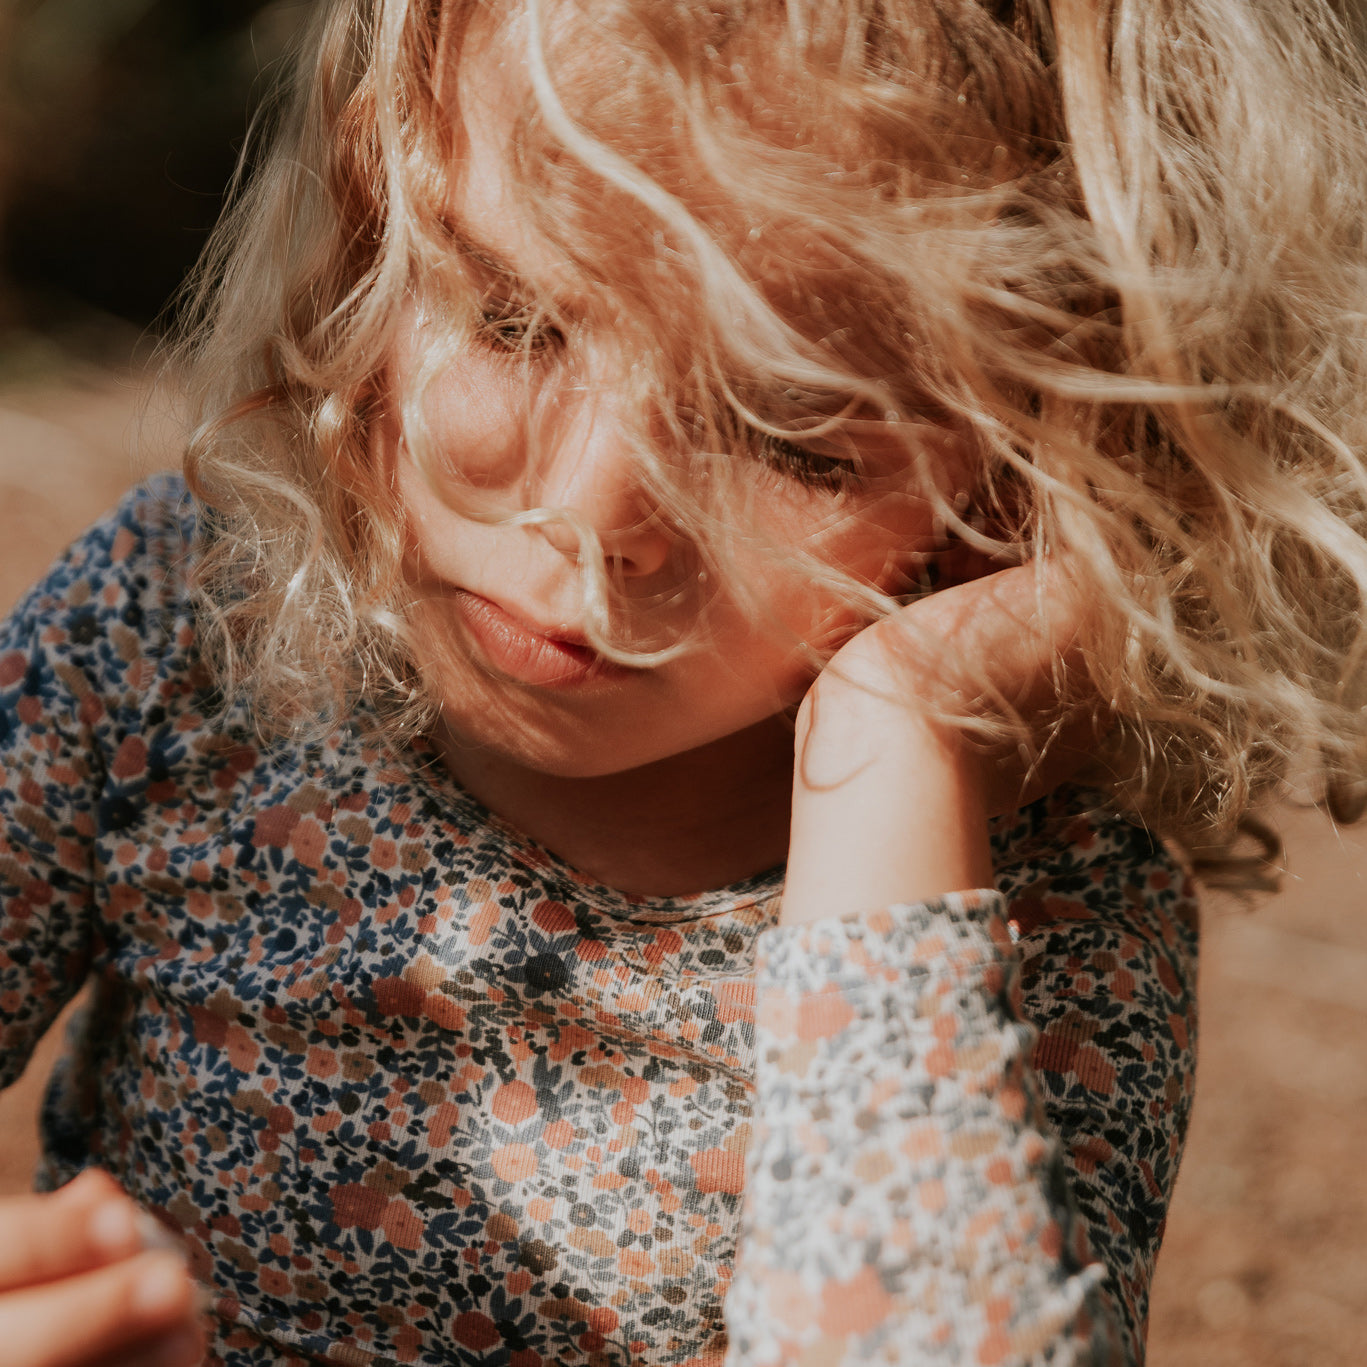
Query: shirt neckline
[453, 805]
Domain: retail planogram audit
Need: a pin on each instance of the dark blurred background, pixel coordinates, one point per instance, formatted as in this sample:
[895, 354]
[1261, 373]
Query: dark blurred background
[120, 124]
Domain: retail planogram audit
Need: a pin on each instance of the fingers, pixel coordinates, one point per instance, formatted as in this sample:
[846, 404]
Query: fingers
[1008, 623]
[79, 1288]
[181, 1348]
[1008, 642]
[137, 1311]
[89, 1223]
[1025, 628]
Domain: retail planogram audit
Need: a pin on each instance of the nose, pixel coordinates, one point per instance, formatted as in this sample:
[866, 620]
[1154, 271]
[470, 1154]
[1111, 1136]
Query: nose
[589, 466]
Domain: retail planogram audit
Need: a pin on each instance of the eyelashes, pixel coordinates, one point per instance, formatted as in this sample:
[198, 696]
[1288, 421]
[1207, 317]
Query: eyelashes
[816, 469]
[515, 328]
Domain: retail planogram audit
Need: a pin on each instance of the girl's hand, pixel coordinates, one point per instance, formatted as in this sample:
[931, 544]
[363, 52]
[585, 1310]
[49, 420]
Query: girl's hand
[86, 1282]
[891, 804]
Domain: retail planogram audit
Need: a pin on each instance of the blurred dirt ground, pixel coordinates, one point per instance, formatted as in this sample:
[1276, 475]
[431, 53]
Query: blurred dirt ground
[1265, 1263]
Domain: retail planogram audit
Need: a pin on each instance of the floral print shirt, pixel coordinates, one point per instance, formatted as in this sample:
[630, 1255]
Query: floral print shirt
[414, 1091]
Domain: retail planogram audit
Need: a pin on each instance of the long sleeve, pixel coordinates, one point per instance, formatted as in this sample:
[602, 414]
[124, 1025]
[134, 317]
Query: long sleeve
[945, 1168]
[75, 670]
[49, 791]
[413, 1088]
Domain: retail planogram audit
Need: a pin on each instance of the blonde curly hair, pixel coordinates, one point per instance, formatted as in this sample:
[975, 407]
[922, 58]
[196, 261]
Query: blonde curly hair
[1116, 246]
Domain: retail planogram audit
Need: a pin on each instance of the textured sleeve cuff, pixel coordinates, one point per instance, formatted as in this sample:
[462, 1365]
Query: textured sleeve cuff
[905, 1203]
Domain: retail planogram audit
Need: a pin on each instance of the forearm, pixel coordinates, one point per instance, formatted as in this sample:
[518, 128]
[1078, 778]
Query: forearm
[887, 808]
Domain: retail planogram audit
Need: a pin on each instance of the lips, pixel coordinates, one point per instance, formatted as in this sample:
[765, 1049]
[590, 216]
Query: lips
[522, 651]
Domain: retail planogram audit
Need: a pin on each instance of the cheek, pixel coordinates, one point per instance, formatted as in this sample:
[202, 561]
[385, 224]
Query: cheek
[463, 427]
[877, 541]
[779, 639]
[475, 430]
[881, 543]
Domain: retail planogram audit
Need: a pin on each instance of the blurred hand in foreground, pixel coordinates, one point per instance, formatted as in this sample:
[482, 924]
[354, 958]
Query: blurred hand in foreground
[87, 1279]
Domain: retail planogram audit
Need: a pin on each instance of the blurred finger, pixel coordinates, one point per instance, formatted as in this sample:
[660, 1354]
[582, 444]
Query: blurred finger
[99, 1316]
[183, 1347]
[88, 1223]
[1011, 625]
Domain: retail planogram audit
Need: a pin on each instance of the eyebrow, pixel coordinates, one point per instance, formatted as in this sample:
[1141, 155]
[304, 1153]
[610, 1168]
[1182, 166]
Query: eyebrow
[487, 257]
[483, 255]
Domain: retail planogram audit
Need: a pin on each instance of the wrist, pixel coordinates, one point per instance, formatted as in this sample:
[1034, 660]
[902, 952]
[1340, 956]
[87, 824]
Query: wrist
[888, 806]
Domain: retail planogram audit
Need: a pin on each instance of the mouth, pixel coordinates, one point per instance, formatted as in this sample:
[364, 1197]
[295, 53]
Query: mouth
[522, 651]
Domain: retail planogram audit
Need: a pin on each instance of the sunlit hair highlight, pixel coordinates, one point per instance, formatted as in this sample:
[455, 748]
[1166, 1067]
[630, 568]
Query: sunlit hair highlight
[1113, 247]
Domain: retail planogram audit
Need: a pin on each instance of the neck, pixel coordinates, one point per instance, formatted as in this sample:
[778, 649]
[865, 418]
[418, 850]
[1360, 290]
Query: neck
[686, 824]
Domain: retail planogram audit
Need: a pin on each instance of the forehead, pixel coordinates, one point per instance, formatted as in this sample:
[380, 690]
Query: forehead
[715, 226]
[543, 178]
[490, 218]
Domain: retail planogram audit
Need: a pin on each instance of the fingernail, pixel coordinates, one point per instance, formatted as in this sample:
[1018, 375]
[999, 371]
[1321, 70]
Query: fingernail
[175, 1350]
[118, 1228]
[156, 1237]
[160, 1287]
[205, 1297]
[79, 1183]
[113, 1229]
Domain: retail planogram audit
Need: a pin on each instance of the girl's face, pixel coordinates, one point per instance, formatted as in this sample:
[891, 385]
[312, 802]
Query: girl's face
[500, 605]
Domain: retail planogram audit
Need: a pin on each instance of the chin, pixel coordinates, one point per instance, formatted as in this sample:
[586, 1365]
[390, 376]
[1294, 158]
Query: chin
[558, 746]
[571, 761]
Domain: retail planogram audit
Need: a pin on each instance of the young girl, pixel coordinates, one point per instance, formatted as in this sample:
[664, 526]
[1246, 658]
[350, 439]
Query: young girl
[643, 445]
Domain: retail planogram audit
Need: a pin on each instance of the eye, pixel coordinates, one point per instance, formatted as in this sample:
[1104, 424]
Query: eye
[512, 326]
[805, 465]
